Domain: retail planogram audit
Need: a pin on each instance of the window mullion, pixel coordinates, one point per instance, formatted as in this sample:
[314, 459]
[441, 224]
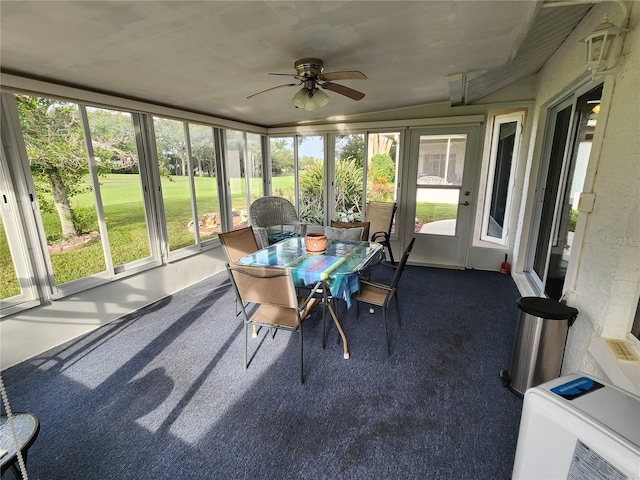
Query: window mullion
[149, 171]
[95, 183]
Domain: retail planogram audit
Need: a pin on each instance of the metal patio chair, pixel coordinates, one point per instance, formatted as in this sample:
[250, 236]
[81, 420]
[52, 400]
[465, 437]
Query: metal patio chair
[279, 308]
[380, 295]
[380, 216]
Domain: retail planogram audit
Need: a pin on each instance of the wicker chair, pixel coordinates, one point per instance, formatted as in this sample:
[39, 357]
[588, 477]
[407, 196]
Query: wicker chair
[274, 219]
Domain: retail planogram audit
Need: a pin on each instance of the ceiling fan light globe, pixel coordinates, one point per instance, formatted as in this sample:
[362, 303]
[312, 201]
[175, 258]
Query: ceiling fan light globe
[310, 104]
[321, 98]
[300, 98]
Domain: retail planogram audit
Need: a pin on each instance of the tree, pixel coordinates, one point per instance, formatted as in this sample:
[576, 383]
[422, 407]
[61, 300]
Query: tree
[281, 157]
[351, 147]
[54, 142]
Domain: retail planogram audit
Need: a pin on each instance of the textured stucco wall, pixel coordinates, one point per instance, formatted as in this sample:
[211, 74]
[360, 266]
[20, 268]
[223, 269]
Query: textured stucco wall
[603, 278]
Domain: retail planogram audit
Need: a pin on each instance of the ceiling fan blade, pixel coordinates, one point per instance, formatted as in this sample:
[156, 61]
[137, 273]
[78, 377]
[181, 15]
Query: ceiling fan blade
[273, 88]
[342, 90]
[299, 77]
[346, 75]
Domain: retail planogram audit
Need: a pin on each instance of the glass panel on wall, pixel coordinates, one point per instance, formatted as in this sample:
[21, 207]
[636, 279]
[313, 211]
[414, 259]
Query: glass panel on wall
[203, 169]
[283, 181]
[440, 171]
[254, 166]
[382, 168]
[556, 157]
[54, 143]
[237, 177]
[174, 176]
[311, 178]
[504, 146]
[114, 147]
[349, 177]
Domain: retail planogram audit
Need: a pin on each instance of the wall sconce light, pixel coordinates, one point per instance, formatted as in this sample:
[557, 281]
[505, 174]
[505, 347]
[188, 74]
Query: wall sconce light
[601, 56]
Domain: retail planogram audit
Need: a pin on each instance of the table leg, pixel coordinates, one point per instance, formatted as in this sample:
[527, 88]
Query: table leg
[342, 335]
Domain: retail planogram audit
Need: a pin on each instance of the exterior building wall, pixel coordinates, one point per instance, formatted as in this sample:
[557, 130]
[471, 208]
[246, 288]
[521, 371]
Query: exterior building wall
[604, 272]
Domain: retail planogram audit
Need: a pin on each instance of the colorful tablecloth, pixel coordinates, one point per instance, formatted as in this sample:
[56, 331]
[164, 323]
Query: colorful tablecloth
[338, 266]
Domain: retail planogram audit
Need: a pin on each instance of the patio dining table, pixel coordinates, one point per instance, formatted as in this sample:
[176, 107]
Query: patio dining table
[337, 267]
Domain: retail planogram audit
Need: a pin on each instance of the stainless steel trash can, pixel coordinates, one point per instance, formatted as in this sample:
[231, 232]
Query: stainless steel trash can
[539, 343]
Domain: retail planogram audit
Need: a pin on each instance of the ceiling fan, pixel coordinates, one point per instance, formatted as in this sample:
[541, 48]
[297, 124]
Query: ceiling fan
[309, 73]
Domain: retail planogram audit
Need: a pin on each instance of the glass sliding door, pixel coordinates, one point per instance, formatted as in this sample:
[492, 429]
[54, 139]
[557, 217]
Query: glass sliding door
[55, 144]
[114, 148]
[570, 136]
[171, 145]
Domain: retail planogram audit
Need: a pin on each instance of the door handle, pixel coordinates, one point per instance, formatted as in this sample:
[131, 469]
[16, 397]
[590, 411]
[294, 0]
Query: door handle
[465, 203]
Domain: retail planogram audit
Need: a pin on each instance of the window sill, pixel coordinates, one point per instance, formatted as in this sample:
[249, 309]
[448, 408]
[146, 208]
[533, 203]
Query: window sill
[622, 374]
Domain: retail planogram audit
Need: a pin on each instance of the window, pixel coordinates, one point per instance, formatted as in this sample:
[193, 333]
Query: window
[383, 151]
[202, 169]
[499, 188]
[283, 171]
[311, 175]
[187, 168]
[440, 172]
[65, 182]
[349, 177]
[244, 172]
[93, 194]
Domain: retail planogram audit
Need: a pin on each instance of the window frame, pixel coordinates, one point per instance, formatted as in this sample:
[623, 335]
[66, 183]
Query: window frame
[498, 121]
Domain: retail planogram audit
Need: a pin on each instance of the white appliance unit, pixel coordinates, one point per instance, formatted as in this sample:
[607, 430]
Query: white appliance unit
[578, 427]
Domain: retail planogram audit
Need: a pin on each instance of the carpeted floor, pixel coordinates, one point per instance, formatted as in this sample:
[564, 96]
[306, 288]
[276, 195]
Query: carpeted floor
[162, 394]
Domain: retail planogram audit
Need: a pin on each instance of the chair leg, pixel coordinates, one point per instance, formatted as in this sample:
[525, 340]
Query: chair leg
[398, 310]
[301, 356]
[386, 331]
[246, 343]
[324, 329]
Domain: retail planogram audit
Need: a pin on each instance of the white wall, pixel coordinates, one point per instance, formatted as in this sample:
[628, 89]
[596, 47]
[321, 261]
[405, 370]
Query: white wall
[603, 279]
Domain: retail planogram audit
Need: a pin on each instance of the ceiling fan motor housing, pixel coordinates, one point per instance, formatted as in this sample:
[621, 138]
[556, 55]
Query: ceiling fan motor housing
[309, 67]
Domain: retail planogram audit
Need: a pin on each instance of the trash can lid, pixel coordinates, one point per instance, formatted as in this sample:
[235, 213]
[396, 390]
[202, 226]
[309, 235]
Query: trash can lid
[546, 308]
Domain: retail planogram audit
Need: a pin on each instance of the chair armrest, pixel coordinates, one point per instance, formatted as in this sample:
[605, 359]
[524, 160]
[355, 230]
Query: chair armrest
[384, 235]
[262, 235]
[302, 228]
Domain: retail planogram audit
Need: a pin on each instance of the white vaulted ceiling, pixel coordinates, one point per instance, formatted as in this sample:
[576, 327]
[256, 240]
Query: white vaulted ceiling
[208, 56]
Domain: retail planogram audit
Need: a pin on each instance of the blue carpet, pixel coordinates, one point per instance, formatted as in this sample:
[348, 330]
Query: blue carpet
[162, 393]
